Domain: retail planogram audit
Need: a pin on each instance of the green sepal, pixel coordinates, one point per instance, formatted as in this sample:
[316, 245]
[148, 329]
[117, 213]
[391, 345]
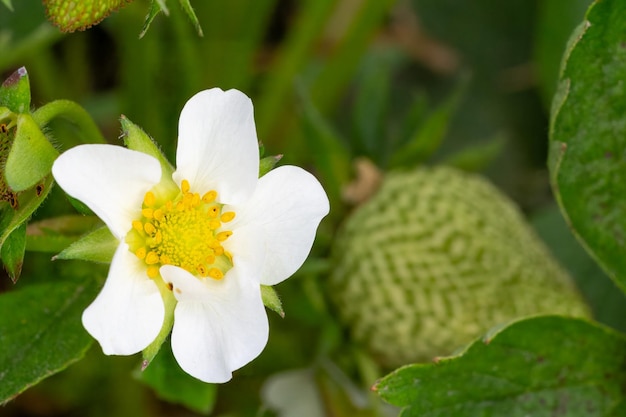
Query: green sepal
[478, 157]
[8, 4]
[174, 385]
[97, 246]
[55, 234]
[427, 137]
[15, 90]
[136, 139]
[192, 16]
[169, 302]
[12, 252]
[31, 155]
[268, 163]
[156, 7]
[271, 300]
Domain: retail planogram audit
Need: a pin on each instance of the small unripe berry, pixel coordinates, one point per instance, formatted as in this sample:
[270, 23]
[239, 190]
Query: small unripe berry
[436, 258]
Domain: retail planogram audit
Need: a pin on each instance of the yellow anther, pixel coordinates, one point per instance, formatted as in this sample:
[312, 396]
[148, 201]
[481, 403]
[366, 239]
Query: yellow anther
[222, 236]
[182, 231]
[184, 186]
[202, 270]
[158, 238]
[216, 273]
[149, 199]
[213, 211]
[153, 271]
[195, 201]
[152, 258]
[228, 216]
[229, 256]
[149, 228]
[140, 253]
[137, 225]
[147, 213]
[209, 197]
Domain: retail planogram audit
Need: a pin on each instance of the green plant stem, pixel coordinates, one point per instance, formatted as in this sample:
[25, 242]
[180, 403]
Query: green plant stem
[75, 114]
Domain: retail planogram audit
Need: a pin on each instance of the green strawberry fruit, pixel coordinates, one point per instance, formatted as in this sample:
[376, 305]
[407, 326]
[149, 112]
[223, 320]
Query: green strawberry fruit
[436, 258]
[69, 15]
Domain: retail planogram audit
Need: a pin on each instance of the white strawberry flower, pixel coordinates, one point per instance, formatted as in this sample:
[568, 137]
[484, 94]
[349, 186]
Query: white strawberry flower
[201, 241]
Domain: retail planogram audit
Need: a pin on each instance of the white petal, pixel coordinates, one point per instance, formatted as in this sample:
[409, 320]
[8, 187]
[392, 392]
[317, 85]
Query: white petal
[248, 247]
[110, 180]
[217, 145]
[128, 313]
[219, 326]
[288, 204]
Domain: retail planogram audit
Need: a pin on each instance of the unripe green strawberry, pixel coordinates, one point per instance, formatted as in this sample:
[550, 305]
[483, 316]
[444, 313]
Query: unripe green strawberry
[70, 15]
[436, 258]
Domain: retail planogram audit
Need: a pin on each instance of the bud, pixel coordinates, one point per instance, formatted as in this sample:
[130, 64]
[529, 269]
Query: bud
[436, 258]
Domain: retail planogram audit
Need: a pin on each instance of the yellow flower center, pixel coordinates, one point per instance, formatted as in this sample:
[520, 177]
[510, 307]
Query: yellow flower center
[186, 231]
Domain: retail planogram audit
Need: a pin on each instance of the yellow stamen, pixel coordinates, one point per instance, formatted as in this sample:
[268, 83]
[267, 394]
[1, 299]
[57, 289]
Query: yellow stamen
[152, 258]
[141, 253]
[209, 197]
[182, 231]
[216, 273]
[213, 211]
[222, 236]
[149, 199]
[149, 228]
[138, 225]
[153, 271]
[147, 213]
[228, 216]
[184, 186]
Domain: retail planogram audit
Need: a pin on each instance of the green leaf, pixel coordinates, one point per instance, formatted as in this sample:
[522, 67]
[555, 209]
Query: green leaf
[606, 301]
[31, 155]
[478, 157]
[15, 90]
[55, 234]
[41, 332]
[26, 203]
[192, 16]
[8, 4]
[331, 157]
[588, 136]
[425, 140]
[12, 252]
[555, 22]
[174, 385]
[541, 366]
[271, 300]
[97, 246]
[371, 105]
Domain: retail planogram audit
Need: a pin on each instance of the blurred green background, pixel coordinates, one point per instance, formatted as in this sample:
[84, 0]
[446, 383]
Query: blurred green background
[331, 81]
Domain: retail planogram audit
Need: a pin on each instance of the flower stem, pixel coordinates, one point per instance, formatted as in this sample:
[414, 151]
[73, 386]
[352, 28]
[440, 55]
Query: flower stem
[75, 114]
